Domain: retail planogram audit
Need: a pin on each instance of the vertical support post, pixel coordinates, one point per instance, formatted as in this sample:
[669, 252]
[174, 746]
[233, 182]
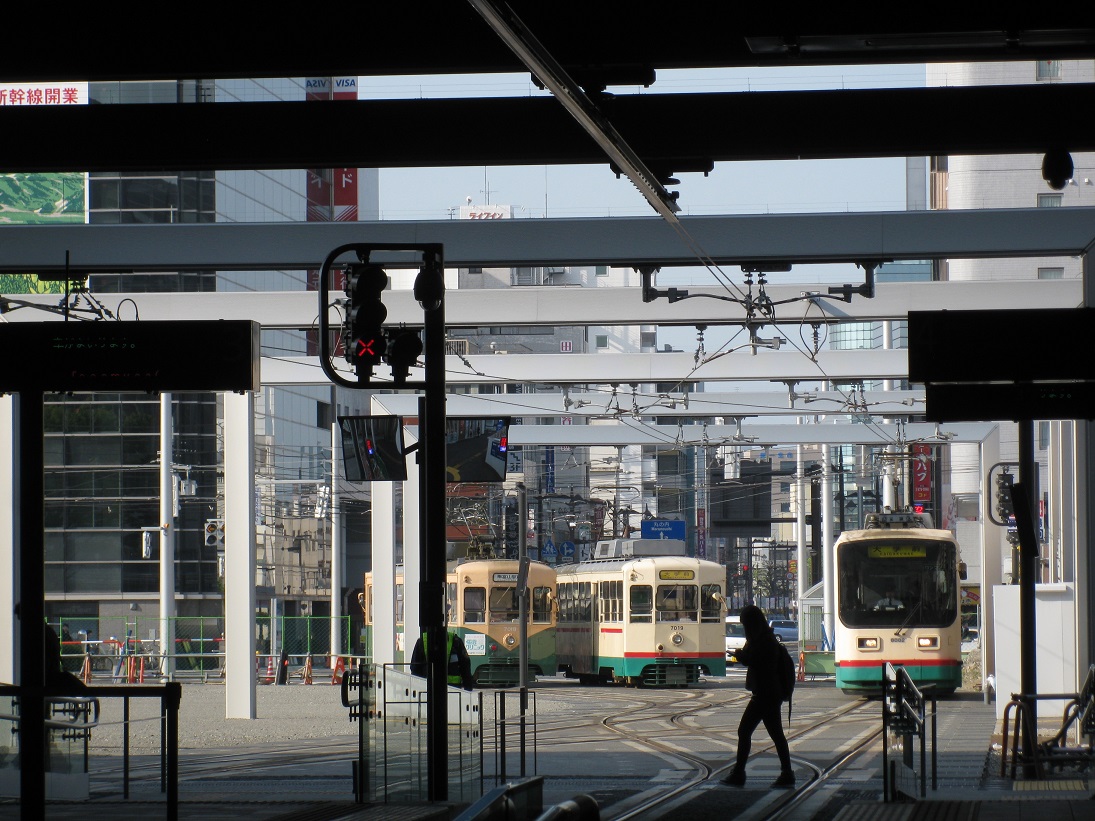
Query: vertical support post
[335, 642]
[9, 537]
[30, 526]
[828, 561]
[239, 555]
[1024, 506]
[167, 541]
[429, 291]
[523, 592]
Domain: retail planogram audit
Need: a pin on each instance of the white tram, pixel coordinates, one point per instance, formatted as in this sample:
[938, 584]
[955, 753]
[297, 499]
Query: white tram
[641, 611]
[897, 601]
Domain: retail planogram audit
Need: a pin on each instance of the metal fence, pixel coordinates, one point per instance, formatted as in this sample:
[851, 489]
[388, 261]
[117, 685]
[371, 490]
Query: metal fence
[104, 645]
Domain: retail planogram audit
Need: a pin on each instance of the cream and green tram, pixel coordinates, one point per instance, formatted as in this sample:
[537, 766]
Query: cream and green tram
[483, 608]
[641, 612]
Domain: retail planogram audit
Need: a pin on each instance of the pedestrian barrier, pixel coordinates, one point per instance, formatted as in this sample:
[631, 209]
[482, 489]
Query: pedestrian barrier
[85, 671]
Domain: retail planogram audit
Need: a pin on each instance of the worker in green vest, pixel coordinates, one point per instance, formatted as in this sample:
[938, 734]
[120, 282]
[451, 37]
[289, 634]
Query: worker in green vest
[459, 666]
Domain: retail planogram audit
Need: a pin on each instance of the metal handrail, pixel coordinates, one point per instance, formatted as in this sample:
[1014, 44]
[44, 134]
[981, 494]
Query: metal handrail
[515, 801]
[904, 707]
[170, 696]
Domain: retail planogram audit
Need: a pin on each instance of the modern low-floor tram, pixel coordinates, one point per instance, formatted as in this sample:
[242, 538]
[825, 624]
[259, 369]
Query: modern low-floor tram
[897, 601]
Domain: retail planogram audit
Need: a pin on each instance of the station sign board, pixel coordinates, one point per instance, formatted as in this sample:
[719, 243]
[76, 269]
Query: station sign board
[150, 356]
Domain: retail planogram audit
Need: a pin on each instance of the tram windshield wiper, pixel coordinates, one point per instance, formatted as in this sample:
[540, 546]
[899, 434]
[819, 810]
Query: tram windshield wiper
[912, 613]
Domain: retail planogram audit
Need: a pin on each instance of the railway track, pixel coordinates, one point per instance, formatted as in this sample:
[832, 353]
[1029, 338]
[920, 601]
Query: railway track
[681, 727]
[682, 741]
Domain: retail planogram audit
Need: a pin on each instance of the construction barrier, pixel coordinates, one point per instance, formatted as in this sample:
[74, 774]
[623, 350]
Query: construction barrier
[85, 671]
[338, 670]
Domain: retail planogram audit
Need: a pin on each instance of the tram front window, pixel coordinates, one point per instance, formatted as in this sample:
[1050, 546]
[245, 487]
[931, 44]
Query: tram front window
[892, 584]
[677, 602]
[504, 605]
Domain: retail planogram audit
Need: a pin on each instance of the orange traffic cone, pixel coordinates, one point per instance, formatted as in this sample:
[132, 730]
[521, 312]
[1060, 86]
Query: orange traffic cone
[268, 678]
[339, 669]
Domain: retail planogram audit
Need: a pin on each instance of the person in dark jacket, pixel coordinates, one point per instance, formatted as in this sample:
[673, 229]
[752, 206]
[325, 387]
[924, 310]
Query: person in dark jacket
[760, 655]
[459, 666]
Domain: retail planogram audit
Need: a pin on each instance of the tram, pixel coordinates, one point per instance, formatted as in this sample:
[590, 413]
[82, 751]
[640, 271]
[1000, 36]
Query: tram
[897, 601]
[641, 612]
[483, 609]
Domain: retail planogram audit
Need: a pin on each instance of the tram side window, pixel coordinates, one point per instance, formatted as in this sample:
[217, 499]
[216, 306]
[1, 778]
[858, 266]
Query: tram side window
[541, 605]
[585, 602]
[612, 600]
[677, 602]
[565, 592]
[711, 603]
[450, 601]
[475, 604]
[504, 605]
[642, 603]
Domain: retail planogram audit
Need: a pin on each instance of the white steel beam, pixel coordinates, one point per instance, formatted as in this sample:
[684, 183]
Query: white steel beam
[725, 240]
[552, 306]
[623, 369]
[631, 432]
[735, 404]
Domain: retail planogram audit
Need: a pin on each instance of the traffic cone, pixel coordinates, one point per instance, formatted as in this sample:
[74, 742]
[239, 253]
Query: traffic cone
[339, 669]
[268, 678]
[85, 671]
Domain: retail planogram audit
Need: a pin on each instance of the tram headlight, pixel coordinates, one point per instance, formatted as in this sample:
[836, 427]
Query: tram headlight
[927, 642]
[868, 643]
[678, 639]
[509, 640]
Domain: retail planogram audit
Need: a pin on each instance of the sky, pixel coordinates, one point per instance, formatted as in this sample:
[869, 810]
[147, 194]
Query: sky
[801, 186]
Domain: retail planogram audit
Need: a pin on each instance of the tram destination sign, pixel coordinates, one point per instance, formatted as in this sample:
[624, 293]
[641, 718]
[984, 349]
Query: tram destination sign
[160, 355]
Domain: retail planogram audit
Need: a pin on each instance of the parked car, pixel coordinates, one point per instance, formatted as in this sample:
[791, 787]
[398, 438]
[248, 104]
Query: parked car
[785, 629]
[735, 638]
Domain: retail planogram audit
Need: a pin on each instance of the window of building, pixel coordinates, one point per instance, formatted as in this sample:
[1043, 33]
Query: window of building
[1051, 273]
[648, 339]
[1043, 435]
[1048, 70]
[602, 340]
[1049, 200]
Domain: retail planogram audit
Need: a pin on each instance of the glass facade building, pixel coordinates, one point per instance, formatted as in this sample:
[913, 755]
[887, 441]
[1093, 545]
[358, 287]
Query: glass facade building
[102, 450]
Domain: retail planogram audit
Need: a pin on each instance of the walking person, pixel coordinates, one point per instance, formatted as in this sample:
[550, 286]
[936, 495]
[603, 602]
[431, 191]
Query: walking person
[761, 656]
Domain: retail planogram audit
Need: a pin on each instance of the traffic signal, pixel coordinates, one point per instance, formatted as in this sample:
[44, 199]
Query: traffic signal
[1004, 508]
[214, 533]
[403, 351]
[365, 341]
